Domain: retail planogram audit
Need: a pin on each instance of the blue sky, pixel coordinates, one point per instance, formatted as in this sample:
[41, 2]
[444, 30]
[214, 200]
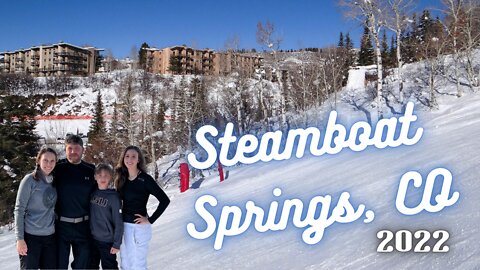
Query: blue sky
[119, 24]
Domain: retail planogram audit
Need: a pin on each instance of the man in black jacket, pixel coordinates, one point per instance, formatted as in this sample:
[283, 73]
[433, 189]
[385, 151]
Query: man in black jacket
[74, 180]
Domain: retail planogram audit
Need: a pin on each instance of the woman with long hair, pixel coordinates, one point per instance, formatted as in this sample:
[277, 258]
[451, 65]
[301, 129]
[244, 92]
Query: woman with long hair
[135, 186]
[35, 216]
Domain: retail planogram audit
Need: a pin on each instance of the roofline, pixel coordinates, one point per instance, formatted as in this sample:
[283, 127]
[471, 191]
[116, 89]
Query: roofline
[53, 45]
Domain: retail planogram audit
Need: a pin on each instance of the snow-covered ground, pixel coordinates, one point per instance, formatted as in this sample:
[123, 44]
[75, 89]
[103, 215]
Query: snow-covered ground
[371, 177]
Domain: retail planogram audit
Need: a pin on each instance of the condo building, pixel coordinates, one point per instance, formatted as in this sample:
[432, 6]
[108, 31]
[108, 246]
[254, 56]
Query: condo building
[179, 60]
[52, 60]
[186, 60]
[228, 62]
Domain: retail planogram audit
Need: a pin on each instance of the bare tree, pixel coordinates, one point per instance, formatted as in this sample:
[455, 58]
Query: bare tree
[432, 51]
[370, 12]
[453, 10]
[333, 65]
[267, 37]
[397, 20]
[232, 46]
[471, 31]
[134, 56]
[128, 125]
[109, 60]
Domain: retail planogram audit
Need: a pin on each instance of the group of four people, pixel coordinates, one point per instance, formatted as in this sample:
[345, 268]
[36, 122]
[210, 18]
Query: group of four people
[67, 204]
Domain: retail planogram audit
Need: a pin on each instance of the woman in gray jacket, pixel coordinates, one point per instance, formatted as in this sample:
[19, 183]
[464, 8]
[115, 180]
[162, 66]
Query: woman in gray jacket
[35, 216]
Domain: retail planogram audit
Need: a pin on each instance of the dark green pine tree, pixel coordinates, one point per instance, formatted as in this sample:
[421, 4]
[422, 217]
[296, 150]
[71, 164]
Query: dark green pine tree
[97, 125]
[410, 41]
[114, 124]
[160, 117]
[142, 55]
[365, 56]
[348, 42]
[175, 65]
[393, 51]
[159, 125]
[200, 103]
[179, 127]
[18, 148]
[96, 134]
[351, 57]
[341, 42]
[112, 138]
[384, 51]
[425, 26]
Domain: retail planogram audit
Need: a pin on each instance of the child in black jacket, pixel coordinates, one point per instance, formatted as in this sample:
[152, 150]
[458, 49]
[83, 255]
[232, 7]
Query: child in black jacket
[106, 221]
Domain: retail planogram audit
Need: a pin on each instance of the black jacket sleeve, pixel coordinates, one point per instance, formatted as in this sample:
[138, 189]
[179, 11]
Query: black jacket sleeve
[163, 200]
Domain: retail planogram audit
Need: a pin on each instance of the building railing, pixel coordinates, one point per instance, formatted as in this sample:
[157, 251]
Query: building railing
[73, 54]
[69, 68]
[68, 61]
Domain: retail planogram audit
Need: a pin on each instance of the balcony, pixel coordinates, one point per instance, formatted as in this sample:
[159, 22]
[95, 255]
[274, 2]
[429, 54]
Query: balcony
[36, 56]
[71, 54]
[68, 61]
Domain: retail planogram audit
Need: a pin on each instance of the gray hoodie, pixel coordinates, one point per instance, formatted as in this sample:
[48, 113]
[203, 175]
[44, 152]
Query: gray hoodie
[34, 207]
[106, 221]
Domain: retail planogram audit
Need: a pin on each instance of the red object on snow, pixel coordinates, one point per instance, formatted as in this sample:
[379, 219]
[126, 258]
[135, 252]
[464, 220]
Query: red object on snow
[220, 171]
[184, 177]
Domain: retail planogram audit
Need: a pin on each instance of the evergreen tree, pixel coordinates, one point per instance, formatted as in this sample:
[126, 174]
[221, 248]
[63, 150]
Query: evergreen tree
[112, 138]
[393, 50]
[97, 126]
[424, 26]
[175, 65]
[142, 56]
[179, 127]
[351, 57]
[385, 52]
[96, 134]
[410, 41]
[348, 42]
[114, 128]
[341, 43]
[18, 147]
[366, 55]
[160, 117]
[200, 103]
